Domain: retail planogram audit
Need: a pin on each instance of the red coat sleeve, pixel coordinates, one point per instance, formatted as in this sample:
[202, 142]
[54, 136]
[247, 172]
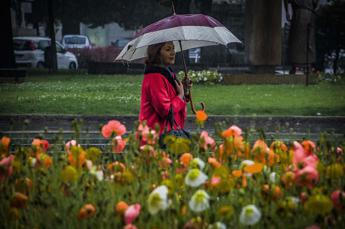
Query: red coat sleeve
[161, 100]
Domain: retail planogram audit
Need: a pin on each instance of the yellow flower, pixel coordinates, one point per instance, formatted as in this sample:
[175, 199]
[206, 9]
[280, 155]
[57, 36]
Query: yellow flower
[69, 174]
[318, 205]
[93, 153]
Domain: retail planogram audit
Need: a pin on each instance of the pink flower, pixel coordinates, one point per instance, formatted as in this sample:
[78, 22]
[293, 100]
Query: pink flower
[311, 160]
[303, 158]
[339, 150]
[118, 144]
[148, 136]
[6, 169]
[299, 153]
[132, 213]
[69, 144]
[206, 141]
[130, 226]
[307, 176]
[111, 127]
[338, 198]
[215, 180]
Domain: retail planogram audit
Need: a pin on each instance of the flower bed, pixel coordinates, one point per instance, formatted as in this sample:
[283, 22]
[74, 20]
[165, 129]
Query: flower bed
[193, 183]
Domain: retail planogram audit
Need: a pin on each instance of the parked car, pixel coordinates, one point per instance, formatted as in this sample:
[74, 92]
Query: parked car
[121, 43]
[29, 52]
[76, 41]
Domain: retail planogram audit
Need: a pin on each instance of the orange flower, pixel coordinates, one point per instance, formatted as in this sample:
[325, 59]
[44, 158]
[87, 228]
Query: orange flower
[185, 159]
[41, 145]
[308, 146]
[23, 185]
[277, 192]
[260, 149]
[232, 131]
[237, 173]
[87, 211]
[77, 157]
[5, 141]
[116, 167]
[201, 116]
[19, 200]
[255, 168]
[121, 207]
[44, 160]
[213, 162]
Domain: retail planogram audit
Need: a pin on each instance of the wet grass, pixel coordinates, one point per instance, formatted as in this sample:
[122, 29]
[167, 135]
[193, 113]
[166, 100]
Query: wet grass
[120, 94]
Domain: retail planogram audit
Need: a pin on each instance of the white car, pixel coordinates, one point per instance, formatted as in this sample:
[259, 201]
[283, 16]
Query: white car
[76, 41]
[29, 52]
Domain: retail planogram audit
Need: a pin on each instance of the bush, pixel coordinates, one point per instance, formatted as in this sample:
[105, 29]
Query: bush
[203, 77]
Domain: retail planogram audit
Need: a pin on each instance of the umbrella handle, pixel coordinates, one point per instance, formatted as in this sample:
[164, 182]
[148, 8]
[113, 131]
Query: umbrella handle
[187, 85]
[192, 104]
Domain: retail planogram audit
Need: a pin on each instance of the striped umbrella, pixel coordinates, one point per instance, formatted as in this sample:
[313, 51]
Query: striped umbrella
[186, 31]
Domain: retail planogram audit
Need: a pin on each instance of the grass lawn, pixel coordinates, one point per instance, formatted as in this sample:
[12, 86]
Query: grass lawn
[120, 94]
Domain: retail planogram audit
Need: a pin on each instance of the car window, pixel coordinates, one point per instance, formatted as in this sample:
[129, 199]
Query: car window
[121, 42]
[20, 44]
[59, 48]
[75, 40]
[43, 44]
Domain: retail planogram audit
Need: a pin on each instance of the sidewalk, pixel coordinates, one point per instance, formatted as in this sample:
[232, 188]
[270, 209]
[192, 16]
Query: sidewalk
[23, 128]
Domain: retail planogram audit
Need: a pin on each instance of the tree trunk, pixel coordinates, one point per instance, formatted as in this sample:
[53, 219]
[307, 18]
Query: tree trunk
[6, 43]
[51, 19]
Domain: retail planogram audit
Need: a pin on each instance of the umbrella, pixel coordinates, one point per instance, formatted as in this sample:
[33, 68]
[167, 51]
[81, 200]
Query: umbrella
[186, 31]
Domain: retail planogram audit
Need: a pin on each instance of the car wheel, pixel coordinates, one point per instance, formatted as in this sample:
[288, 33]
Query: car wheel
[40, 65]
[72, 66]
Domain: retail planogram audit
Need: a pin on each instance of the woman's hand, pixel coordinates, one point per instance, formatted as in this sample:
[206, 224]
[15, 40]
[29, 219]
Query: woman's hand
[179, 87]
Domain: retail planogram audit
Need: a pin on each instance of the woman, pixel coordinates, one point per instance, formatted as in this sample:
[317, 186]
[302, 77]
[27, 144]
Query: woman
[161, 91]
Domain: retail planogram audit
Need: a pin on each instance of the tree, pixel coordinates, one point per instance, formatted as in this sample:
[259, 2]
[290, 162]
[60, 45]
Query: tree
[331, 32]
[6, 43]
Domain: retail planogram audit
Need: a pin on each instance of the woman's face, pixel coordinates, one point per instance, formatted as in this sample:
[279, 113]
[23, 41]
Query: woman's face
[167, 53]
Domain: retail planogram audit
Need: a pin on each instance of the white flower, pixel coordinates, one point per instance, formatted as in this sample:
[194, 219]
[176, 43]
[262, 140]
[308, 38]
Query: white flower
[217, 225]
[199, 201]
[33, 161]
[99, 174]
[158, 200]
[197, 162]
[273, 177]
[195, 177]
[245, 163]
[250, 215]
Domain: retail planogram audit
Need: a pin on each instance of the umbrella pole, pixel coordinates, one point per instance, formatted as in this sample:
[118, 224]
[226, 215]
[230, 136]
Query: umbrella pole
[187, 84]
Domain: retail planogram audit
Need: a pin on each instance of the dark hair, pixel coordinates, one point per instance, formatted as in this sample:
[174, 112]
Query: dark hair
[153, 54]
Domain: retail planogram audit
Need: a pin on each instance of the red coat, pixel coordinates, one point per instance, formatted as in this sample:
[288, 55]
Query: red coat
[157, 96]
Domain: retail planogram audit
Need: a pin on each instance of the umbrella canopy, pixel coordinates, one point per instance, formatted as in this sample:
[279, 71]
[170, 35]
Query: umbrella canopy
[192, 30]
